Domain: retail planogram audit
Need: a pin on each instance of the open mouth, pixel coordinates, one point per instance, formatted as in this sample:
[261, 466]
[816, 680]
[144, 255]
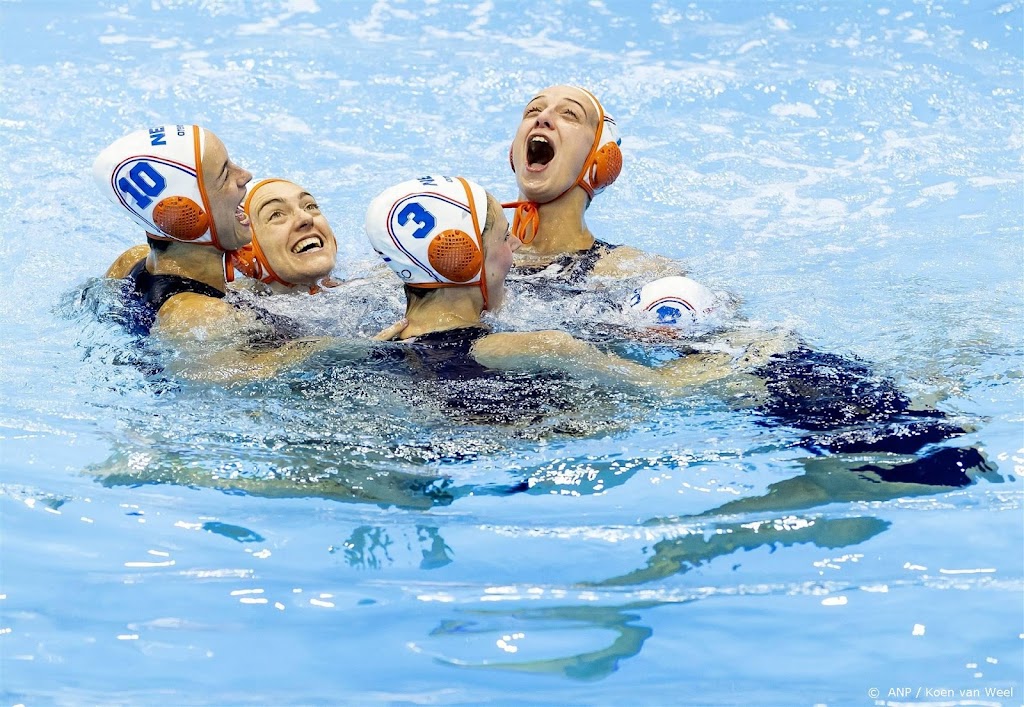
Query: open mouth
[539, 151]
[241, 216]
[308, 244]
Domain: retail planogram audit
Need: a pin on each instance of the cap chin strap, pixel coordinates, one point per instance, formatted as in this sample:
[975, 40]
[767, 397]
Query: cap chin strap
[525, 221]
[197, 147]
[268, 275]
[228, 265]
[252, 263]
[479, 239]
[197, 144]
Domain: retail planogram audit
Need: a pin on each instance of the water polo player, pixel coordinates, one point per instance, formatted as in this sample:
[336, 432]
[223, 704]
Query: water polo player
[678, 305]
[179, 184]
[564, 153]
[293, 248]
[449, 242]
[839, 400]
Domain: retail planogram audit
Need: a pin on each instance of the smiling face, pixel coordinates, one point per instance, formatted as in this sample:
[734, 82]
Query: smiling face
[224, 183]
[293, 234]
[553, 141]
[499, 245]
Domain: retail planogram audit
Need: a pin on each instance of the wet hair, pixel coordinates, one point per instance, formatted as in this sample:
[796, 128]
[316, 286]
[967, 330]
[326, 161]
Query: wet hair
[159, 246]
[417, 294]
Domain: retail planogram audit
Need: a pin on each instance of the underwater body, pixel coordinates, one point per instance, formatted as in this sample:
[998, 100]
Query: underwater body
[344, 533]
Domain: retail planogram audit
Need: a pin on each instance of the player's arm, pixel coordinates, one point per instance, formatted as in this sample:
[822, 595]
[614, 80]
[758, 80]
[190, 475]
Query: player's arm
[626, 261]
[211, 338]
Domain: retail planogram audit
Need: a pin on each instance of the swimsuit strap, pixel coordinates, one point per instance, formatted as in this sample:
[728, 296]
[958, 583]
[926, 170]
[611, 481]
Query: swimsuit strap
[155, 290]
[588, 259]
[453, 337]
[150, 292]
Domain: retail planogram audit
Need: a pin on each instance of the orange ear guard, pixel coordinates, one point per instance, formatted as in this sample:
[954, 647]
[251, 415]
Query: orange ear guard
[244, 261]
[267, 275]
[250, 261]
[156, 175]
[455, 255]
[605, 166]
[429, 232]
[181, 218]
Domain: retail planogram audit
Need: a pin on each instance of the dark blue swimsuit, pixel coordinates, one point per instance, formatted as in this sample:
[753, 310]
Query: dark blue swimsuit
[146, 294]
[848, 409]
[447, 355]
[843, 406]
[471, 392]
[569, 270]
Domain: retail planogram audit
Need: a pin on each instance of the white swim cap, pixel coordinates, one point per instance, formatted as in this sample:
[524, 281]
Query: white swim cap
[156, 175]
[675, 300]
[430, 231]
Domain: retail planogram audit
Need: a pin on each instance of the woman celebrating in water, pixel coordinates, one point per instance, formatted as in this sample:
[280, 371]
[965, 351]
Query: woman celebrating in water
[566, 152]
[450, 243]
[179, 184]
[293, 248]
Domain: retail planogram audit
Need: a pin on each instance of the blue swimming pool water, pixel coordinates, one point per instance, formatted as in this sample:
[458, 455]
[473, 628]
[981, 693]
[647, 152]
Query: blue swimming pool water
[849, 171]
